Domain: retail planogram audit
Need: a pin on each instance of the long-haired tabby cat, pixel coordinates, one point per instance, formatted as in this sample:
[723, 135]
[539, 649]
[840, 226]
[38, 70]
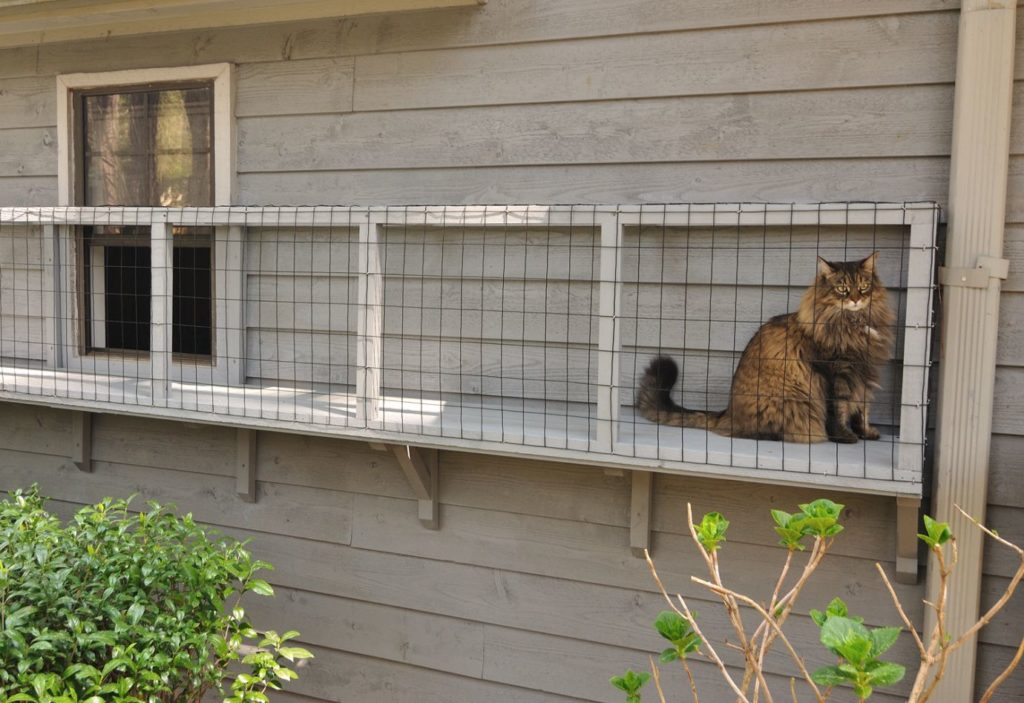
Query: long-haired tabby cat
[807, 376]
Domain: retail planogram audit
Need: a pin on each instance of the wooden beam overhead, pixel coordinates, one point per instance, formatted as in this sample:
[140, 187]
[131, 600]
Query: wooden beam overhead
[30, 22]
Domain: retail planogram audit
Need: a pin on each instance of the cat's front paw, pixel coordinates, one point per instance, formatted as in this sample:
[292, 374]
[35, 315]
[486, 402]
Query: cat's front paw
[844, 437]
[870, 433]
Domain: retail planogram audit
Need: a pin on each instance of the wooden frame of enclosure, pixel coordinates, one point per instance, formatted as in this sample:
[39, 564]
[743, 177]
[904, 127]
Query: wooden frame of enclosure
[367, 422]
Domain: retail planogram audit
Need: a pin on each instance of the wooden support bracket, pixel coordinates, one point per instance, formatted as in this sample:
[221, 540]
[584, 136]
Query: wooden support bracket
[245, 464]
[421, 469]
[907, 508]
[641, 494]
[81, 440]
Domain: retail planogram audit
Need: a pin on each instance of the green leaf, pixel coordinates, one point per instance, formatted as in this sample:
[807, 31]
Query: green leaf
[882, 639]
[261, 587]
[829, 676]
[863, 691]
[293, 653]
[631, 682]
[885, 673]
[847, 638]
[669, 655]
[937, 533]
[135, 613]
[671, 625]
[711, 530]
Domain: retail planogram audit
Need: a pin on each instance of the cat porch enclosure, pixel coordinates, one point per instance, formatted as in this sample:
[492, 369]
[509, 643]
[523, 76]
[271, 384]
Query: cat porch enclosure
[520, 330]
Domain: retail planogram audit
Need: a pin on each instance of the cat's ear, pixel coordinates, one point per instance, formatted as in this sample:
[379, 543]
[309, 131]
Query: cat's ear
[825, 268]
[868, 262]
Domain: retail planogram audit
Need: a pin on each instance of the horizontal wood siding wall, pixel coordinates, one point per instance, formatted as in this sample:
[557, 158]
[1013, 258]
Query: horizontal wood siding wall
[1005, 511]
[24, 283]
[527, 593]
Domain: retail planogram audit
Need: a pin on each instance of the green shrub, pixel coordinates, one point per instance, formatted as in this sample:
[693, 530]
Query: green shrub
[119, 607]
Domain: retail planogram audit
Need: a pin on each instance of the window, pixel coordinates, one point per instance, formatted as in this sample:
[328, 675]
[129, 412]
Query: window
[153, 137]
[146, 146]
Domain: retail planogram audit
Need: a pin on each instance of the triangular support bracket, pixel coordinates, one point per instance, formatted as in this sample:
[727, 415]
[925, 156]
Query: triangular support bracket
[420, 467]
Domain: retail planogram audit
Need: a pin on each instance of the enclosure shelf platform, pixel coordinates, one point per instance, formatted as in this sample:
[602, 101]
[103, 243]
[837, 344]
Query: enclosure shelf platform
[556, 430]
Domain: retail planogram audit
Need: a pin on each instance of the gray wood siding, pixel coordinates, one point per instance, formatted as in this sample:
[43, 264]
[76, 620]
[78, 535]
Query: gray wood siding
[519, 101]
[23, 282]
[528, 592]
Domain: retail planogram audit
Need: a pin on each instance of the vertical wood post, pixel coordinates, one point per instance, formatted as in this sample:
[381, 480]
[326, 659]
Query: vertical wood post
[162, 309]
[916, 341]
[907, 508]
[609, 336]
[81, 440]
[50, 296]
[641, 496]
[232, 350]
[977, 211]
[370, 316]
[245, 464]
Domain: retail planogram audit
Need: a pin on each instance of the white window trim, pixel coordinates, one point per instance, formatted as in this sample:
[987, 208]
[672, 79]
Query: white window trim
[228, 242]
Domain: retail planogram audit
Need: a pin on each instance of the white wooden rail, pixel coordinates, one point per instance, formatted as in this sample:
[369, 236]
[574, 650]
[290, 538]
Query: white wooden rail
[227, 399]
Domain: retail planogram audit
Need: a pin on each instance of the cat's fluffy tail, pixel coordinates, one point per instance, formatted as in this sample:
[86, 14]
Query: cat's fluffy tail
[655, 403]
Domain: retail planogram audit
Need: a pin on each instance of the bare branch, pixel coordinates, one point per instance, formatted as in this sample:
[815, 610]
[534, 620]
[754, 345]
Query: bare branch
[693, 684]
[657, 679]
[711, 653]
[990, 533]
[990, 691]
[774, 625]
[661, 586]
[899, 608]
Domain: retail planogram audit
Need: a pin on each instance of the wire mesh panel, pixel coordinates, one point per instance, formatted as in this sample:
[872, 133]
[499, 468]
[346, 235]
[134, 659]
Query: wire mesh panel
[489, 325]
[521, 329]
[742, 303]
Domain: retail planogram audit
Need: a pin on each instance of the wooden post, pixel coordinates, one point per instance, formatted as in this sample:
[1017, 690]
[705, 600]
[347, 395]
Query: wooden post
[370, 316]
[916, 341]
[81, 440]
[641, 496]
[162, 309]
[50, 296]
[231, 241]
[245, 464]
[907, 508]
[982, 107]
[609, 336]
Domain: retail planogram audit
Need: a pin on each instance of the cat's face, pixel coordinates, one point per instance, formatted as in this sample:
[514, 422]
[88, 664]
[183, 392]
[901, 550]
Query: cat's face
[848, 285]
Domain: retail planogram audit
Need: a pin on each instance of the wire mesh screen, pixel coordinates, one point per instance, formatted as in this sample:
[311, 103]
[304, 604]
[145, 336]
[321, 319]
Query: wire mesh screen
[701, 293]
[518, 329]
[490, 332]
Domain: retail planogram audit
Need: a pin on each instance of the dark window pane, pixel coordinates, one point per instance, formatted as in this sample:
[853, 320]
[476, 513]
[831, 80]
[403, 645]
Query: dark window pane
[127, 299]
[193, 305]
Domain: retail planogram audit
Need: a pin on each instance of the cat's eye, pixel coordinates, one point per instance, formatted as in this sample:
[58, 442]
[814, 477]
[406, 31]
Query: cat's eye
[864, 288]
[843, 290]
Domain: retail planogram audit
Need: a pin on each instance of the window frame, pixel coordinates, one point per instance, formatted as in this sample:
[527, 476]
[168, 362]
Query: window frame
[226, 261]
